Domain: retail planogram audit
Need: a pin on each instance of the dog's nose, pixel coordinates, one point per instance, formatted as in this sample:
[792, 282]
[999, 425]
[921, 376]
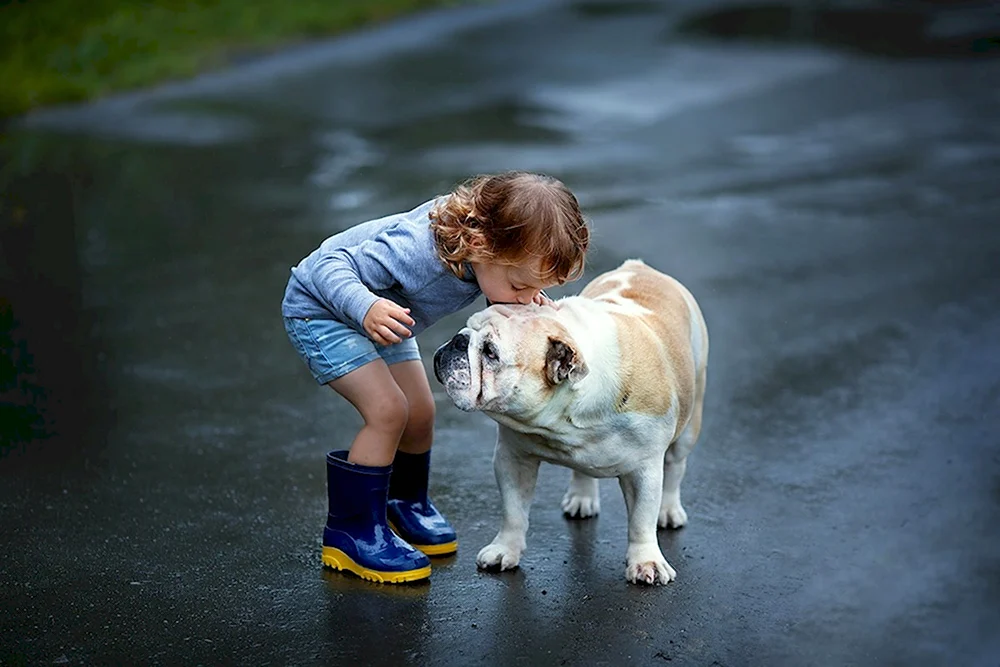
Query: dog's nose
[459, 344]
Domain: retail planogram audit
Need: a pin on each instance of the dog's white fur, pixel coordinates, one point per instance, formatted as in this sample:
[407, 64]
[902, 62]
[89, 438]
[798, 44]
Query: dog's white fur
[609, 383]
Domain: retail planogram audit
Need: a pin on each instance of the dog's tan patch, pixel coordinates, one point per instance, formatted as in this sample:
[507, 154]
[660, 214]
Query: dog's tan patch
[654, 334]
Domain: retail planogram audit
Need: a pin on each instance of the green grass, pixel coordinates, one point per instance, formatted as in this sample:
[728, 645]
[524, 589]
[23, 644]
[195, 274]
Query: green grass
[54, 51]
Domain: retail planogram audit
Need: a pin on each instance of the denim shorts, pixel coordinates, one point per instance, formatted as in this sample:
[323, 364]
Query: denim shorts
[331, 349]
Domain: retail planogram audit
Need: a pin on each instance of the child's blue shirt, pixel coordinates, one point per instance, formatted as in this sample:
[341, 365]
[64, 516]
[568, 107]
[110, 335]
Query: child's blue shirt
[394, 257]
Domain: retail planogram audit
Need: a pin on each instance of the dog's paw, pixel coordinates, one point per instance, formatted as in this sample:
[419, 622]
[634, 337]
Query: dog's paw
[646, 565]
[673, 516]
[580, 506]
[498, 556]
[650, 572]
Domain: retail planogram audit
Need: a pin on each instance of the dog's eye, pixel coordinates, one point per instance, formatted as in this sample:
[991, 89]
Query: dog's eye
[489, 351]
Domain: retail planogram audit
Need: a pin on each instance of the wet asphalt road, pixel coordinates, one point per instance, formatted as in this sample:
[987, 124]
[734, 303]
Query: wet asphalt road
[162, 494]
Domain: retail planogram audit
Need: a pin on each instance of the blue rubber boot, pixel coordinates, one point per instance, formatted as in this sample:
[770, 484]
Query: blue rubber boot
[357, 537]
[411, 513]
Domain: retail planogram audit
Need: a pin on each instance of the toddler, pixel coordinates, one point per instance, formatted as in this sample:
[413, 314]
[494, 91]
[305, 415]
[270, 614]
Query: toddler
[352, 308]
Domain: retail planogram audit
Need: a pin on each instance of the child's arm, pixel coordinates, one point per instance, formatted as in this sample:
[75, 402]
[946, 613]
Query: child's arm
[346, 277]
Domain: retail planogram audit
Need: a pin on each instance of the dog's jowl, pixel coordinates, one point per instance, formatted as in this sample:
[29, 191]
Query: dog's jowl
[609, 383]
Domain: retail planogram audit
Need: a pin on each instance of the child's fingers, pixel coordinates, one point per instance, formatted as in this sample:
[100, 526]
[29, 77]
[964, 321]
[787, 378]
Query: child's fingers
[398, 328]
[389, 323]
[403, 315]
[387, 335]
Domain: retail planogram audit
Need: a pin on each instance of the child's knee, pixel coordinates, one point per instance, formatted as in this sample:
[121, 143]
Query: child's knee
[392, 412]
[420, 422]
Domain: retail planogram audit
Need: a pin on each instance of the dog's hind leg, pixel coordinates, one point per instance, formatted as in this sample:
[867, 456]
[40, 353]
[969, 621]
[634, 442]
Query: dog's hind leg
[672, 513]
[583, 497]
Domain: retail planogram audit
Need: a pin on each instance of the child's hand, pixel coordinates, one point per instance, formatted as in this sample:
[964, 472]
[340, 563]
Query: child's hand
[542, 299]
[385, 320]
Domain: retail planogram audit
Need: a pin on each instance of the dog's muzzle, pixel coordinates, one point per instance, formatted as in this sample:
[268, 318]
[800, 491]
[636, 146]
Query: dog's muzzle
[451, 361]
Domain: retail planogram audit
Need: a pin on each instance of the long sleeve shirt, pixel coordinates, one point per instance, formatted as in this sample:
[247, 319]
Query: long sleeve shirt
[394, 257]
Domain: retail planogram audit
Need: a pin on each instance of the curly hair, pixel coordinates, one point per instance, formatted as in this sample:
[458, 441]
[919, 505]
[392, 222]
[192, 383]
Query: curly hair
[509, 218]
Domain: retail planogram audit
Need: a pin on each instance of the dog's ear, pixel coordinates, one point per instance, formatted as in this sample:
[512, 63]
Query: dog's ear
[562, 361]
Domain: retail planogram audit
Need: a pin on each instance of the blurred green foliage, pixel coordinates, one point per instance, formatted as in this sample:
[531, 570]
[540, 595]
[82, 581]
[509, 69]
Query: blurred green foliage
[55, 51]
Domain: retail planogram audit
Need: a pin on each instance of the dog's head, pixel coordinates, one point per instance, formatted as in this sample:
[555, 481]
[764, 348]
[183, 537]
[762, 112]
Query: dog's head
[509, 360]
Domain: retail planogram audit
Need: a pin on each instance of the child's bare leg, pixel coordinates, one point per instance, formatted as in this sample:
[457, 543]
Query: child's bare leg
[411, 511]
[419, 432]
[373, 391]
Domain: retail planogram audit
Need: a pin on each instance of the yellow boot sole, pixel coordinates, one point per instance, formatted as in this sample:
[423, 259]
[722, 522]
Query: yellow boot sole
[338, 560]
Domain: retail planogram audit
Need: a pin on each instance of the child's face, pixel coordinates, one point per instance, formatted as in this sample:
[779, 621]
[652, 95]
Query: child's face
[510, 284]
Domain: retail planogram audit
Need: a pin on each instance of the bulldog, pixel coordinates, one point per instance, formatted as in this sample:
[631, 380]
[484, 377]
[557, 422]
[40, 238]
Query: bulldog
[609, 383]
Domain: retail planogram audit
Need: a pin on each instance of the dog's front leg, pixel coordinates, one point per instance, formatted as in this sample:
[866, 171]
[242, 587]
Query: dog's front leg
[516, 476]
[644, 562]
